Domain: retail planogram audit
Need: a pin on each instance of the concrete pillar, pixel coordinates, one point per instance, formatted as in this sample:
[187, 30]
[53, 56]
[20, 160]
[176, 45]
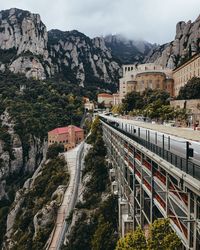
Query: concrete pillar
[189, 217]
[141, 197]
[195, 223]
[167, 194]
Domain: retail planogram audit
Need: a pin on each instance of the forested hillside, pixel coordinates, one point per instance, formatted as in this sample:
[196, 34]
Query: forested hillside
[28, 110]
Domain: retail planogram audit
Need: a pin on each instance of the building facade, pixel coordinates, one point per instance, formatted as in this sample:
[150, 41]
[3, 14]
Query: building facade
[116, 100]
[186, 72]
[68, 136]
[140, 77]
[105, 99]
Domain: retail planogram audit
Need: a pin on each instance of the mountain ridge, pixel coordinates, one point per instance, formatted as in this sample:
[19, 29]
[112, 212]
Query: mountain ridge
[27, 47]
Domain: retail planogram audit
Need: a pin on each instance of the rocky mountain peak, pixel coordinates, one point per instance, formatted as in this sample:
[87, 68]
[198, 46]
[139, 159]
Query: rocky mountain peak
[22, 31]
[80, 58]
[185, 44]
[26, 47]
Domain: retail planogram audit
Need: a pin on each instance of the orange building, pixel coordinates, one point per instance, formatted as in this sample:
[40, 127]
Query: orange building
[68, 136]
[185, 72]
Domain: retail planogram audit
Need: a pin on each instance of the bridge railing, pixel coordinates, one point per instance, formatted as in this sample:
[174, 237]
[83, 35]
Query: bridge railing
[183, 164]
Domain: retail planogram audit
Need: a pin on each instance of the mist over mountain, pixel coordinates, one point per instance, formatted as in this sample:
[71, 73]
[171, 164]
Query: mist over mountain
[126, 50]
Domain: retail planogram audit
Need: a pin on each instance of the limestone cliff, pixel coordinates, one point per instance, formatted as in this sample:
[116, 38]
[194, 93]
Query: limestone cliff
[185, 44]
[15, 167]
[26, 47]
[80, 58]
[32, 216]
[12, 160]
[23, 44]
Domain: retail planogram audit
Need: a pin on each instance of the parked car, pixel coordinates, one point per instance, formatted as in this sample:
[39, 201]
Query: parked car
[140, 118]
[169, 123]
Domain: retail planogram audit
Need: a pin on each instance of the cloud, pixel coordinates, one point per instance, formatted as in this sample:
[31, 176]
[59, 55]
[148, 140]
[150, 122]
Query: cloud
[151, 20]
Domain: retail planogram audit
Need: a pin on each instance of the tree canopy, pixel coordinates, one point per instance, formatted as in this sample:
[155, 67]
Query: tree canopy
[160, 237]
[135, 100]
[191, 90]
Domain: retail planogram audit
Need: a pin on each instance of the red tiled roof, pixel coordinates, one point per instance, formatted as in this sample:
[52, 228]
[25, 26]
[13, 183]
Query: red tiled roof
[64, 130]
[104, 95]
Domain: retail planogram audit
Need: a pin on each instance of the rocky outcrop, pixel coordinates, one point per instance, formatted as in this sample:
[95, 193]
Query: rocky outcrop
[185, 44]
[12, 161]
[22, 31]
[38, 211]
[82, 59]
[23, 44]
[27, 48]
[30, 66]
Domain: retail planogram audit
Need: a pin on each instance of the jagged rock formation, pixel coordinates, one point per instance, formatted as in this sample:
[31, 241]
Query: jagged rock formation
[23, 31]
[26, 47]
[128, 51]
[12, 161]
[185, 44]
[30, 206]
[23, 44]
[80, 58]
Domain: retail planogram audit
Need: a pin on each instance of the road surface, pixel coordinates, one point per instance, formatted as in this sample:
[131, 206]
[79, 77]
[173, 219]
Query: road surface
[73, 158]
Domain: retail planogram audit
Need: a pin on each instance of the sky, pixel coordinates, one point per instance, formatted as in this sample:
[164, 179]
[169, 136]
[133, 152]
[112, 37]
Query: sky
[150, 20]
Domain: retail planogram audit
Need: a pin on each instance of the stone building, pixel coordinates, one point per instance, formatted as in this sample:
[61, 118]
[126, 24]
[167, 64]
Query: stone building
[185, 72]
[140, 77]
[116, 99]
[105, 99]
[68, 136]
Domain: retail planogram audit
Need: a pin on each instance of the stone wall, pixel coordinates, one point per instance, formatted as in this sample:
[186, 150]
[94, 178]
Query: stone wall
[192, 106]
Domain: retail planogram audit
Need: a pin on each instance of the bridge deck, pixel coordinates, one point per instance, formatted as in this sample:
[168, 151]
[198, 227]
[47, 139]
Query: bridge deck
[186, 133]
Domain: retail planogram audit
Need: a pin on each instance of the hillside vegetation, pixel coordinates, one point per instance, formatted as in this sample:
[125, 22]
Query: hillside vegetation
[36, 217]
[96, 214]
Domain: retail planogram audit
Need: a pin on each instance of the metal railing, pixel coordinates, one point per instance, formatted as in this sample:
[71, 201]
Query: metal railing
[182, 163]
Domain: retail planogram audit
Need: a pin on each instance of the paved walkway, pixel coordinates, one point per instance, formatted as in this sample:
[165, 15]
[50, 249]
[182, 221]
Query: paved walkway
[70, 157]
[186, 133]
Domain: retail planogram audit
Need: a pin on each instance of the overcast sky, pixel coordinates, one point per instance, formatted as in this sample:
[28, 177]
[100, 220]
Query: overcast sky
[151, 20]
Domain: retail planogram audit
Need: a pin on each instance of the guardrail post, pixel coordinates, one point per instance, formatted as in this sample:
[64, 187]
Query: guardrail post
[163, 145]
[149, 138]
[168, 142]
[146, 139]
